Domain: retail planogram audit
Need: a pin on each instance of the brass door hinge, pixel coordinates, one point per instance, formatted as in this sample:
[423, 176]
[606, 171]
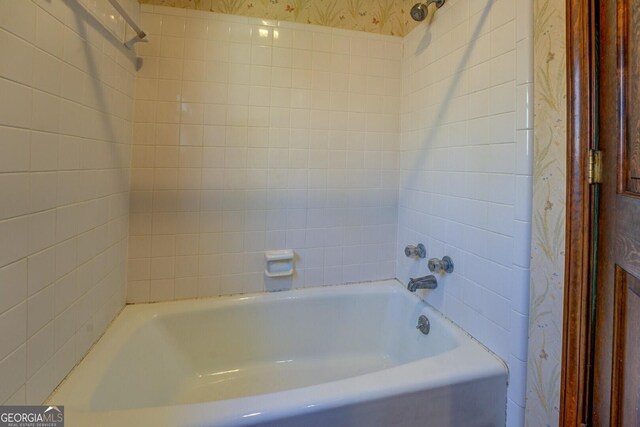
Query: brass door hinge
[595, 167]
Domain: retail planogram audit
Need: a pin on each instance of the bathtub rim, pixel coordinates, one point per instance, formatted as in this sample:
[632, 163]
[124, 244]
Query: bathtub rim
[476, 360]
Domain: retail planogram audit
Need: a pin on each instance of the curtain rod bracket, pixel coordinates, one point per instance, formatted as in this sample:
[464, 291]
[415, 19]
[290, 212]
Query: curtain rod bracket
[140, 35]
[137, 39]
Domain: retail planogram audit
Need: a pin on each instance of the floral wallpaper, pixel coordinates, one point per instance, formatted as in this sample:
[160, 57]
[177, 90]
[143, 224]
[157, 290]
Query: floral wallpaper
[548, 242]
[375, 16]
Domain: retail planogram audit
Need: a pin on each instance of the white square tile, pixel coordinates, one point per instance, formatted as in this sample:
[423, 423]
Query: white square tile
[47, 72]
[519, 331]
[13, 279]
[20, 67]
[171, 47]
[503, 39]
[14, 239]
[522, 240]
[19, 18]
[13, 376]
[15, 149]
[524, 198]
[524, 19]
[18, 112]
[173, 25]
[525, 105]
[66, 257]
[40, 310]
[13, 329]
[13, 188]
[502, 98]
[40, 383]
[502, 11]
[524, 61]
[49, 32]
[520, 290]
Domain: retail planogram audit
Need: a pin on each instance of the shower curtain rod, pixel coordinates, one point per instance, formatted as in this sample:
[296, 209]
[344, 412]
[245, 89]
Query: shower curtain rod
[139, 33]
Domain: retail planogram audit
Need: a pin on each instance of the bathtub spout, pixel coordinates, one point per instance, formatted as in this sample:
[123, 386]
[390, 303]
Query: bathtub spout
[426, 282]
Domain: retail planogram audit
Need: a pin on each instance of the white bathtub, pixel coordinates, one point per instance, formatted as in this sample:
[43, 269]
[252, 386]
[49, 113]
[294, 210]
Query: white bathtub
[334, 356]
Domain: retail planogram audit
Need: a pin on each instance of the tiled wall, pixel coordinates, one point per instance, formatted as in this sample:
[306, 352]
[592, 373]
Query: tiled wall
[65, 127]
[253, 135]
[466, 162]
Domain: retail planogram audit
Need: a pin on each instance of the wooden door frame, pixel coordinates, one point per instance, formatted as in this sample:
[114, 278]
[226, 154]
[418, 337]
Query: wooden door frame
[581, 115]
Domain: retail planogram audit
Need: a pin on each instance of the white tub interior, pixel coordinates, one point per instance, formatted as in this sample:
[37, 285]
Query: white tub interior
[180, 356]
[280, 353]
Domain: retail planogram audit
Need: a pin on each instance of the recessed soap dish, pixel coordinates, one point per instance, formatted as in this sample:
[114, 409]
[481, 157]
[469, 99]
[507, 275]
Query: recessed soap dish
[279, 263]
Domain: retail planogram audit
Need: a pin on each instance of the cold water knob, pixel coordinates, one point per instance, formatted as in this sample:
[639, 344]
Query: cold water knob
[441, 266]
[418, 251]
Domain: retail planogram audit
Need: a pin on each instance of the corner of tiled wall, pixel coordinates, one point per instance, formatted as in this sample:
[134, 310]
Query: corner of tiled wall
[65, 131]
[466, 170]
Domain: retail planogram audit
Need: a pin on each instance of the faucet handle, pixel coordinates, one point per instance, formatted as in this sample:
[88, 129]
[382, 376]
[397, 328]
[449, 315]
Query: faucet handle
[441, 266]
[418, 251]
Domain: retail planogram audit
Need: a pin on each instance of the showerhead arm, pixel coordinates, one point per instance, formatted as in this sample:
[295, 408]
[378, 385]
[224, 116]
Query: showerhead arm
[419, 11]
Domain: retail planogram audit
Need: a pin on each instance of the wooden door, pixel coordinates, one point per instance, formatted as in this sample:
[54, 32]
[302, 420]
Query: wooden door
[616, 374]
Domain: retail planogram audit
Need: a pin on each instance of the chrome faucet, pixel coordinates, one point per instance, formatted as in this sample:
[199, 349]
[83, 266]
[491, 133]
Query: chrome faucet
[418, 251]
[426, 282]
[441, 266]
